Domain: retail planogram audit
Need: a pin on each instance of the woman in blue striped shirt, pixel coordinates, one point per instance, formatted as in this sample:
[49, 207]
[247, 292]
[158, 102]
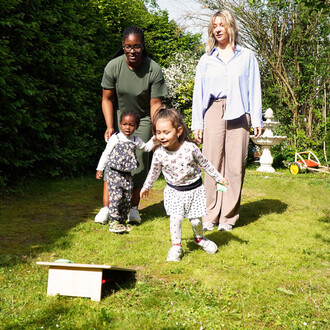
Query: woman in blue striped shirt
[226, 100]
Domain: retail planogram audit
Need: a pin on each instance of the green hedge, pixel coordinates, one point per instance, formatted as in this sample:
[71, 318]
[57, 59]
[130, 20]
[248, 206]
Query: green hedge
[52, 56]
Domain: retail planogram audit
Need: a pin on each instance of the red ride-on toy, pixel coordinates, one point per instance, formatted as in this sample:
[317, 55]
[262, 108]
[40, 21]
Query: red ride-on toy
[306, 161]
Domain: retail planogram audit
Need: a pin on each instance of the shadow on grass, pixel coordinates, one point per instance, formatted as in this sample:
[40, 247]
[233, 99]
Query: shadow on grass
[59, 306]
[325, 219]
[39, 219]
[251, 212]
[322, 236]
[46, 317]
[117, 280]
[219, 238]
[153, 211]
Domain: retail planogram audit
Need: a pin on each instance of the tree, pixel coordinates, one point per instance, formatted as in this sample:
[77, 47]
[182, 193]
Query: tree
[163, 37]
[52, 56]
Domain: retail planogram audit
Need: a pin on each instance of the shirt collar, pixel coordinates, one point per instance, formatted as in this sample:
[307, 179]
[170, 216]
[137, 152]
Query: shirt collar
[214, 50]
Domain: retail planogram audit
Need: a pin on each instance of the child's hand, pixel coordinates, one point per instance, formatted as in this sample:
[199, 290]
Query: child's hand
[156, 143]
[99, 175]
[144, 193]
[224, 182]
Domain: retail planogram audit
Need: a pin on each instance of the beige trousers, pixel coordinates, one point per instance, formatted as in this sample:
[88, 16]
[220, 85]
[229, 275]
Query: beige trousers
[225, 145]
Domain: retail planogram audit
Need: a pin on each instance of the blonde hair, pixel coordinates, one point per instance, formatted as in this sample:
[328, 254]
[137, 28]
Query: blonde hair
[232, 27]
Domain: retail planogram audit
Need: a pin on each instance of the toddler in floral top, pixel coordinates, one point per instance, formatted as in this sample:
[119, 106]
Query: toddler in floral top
[179, 158]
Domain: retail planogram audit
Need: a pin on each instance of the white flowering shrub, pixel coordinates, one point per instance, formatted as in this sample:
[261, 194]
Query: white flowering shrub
[179, 78]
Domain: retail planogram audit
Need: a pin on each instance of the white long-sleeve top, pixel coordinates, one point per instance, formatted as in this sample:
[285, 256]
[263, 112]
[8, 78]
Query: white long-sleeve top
[114, 139]
[180, 168]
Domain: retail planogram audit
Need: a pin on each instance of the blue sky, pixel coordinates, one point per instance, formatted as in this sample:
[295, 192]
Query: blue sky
[179, 11]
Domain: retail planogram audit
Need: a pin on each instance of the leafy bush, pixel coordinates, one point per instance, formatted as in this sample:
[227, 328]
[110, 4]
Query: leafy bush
[48, 87]
[52, 56]
[179, 77]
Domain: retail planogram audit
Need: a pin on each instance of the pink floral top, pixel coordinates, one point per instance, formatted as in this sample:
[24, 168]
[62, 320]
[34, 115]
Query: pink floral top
[180, 167]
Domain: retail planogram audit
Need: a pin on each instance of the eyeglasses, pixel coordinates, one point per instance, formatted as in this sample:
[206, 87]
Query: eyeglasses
[136, 48]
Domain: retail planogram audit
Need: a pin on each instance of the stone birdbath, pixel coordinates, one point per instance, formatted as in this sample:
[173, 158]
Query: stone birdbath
[266, 141]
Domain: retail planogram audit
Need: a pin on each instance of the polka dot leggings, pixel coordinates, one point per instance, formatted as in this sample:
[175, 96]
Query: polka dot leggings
[176, 228]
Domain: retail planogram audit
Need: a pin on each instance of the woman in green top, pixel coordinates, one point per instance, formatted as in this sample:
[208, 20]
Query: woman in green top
[131, 81]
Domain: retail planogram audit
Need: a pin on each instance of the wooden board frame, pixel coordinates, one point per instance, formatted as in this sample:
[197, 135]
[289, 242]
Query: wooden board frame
[78, 280]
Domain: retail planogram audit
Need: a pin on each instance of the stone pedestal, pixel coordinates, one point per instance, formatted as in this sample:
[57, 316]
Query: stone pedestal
[266, 160]
[266, 141]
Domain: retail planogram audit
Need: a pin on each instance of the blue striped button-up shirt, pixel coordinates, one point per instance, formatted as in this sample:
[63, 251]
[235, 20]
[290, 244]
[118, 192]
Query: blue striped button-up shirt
[238, 80]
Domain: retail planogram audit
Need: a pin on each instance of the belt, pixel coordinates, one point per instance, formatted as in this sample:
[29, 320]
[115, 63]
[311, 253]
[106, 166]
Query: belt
[121, 172]
[188, 187]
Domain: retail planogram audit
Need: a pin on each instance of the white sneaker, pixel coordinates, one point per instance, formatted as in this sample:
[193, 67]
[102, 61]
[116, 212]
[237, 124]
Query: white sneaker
[208, 226]
[225, 227]
[207, 245]
[175, 253]
[134, 216]
[102, 216]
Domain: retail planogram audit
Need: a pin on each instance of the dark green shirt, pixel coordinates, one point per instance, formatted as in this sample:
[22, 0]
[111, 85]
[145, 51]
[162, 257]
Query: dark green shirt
[134, 88]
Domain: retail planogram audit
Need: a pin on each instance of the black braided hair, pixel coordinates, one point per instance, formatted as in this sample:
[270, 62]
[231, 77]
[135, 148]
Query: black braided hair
[132, 30]
[132, 113]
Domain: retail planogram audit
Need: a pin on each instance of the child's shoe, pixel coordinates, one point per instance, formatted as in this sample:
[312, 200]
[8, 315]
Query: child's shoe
[116, 227]
[207, 245]
[134, 216]
[129, 227]
[102, 216]
[175, 253]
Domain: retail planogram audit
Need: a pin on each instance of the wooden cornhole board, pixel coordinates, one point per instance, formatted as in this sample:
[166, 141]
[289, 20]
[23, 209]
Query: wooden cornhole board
[78, 280]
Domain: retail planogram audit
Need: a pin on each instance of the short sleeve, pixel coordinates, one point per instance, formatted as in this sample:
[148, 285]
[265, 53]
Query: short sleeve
[108, 79]
[158, 86]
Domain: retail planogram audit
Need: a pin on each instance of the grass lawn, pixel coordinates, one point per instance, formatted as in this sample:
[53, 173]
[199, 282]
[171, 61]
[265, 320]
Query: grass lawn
[271, 271]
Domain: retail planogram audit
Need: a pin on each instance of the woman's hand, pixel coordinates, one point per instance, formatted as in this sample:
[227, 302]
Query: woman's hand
[108, 133]
[99, 175]
[198, 135]
[108, 96]
[257, 132]
[144, 193]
